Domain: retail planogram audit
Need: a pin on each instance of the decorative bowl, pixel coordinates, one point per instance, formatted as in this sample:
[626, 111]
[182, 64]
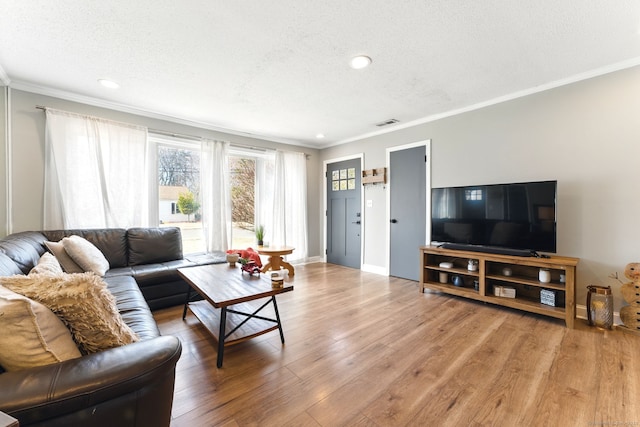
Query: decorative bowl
[232, 259]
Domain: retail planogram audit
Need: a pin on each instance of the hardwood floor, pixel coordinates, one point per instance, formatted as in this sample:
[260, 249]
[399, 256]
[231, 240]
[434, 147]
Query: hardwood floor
[368, 350]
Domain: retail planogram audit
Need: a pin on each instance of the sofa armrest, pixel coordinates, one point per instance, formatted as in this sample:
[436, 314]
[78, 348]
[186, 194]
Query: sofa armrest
[144, 370]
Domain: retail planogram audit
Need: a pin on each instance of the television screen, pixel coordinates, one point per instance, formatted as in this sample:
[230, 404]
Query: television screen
[518, 216]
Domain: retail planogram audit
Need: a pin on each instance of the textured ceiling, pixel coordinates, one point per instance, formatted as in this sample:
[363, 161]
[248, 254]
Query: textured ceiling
[279, 69]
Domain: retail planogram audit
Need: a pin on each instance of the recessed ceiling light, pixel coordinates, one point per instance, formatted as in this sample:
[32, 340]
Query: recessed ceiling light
[320, 135]
[359, 62]
[108, 83]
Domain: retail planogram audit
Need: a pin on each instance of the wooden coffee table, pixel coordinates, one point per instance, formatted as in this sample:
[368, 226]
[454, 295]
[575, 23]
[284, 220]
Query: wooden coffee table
[229, 290]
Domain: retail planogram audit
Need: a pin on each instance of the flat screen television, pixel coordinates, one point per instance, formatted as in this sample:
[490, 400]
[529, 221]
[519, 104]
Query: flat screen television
[516, 218]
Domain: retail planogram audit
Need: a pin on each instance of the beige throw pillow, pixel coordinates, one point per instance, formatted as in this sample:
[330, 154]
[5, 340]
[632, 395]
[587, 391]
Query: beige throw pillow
[85, 254]
[47, 264]
[30, 334]
[67, 264]
[83, 302]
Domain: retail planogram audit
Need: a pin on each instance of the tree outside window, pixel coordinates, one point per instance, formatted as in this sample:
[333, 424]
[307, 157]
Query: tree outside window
[243, 185]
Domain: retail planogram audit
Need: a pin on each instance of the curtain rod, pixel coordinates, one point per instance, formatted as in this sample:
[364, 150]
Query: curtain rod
[200, 138]
[184, 136]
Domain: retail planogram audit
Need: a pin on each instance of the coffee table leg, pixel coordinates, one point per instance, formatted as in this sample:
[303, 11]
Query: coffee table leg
[186, 304]
[275, 308]
[223, 323]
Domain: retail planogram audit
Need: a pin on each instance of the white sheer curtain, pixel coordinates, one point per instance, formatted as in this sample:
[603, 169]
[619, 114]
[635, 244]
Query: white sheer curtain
[95, 172]
[289, 222]
[216, 198]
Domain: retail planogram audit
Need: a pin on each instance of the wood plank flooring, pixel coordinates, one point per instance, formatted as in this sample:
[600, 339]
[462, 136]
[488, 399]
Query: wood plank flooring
[368, 350]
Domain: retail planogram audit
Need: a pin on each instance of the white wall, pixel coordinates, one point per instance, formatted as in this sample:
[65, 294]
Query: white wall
[26, 163]
[585, 135]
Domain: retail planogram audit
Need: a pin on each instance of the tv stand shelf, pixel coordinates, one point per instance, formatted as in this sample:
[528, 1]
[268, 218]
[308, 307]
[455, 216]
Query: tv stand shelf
[479, 285]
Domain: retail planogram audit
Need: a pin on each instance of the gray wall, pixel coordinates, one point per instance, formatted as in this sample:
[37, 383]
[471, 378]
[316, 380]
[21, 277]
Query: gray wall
[585, 135]
[26, 143]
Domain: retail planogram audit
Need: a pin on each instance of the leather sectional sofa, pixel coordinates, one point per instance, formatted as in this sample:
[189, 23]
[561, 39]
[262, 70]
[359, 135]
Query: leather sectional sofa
[131, 385]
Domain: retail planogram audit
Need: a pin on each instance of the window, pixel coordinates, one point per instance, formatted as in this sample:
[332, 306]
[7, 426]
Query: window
[473, 194]
[243, 185]
[259, 182]
[250, 170]
[178, 176]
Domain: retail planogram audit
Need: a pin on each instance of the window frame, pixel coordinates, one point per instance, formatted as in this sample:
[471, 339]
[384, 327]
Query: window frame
[258, 155]
[156, 140]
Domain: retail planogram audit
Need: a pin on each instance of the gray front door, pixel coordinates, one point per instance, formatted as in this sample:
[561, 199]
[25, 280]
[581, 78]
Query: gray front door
[343, 213]
[408, 210]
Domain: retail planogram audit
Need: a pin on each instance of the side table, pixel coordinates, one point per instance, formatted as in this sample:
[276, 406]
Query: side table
[276, 262]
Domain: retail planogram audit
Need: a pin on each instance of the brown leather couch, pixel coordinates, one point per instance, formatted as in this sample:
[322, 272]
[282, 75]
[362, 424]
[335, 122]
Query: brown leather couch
[130, 385]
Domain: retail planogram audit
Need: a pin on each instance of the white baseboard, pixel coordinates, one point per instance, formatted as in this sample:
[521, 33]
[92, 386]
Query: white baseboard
[310, 260]
[374, 269]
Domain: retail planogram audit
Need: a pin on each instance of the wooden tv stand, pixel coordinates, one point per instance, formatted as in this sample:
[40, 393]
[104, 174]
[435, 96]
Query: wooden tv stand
[490, 274]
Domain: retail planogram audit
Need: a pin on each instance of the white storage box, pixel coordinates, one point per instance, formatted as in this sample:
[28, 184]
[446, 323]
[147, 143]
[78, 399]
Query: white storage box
[504, 291]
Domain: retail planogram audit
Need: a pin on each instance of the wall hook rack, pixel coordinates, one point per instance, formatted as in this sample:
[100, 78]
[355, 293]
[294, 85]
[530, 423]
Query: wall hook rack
[374, 176]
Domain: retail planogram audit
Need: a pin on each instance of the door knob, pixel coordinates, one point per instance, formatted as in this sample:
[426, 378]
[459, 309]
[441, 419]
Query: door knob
[393, 221]
[355, 222]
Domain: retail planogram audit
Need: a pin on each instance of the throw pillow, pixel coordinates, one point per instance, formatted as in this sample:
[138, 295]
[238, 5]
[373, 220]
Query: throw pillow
[85, 254]
[83, 302]
[67, 264]
[47, 264]
[30, 334]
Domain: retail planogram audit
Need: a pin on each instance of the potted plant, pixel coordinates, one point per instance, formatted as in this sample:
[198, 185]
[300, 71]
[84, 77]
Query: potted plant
[260, 234]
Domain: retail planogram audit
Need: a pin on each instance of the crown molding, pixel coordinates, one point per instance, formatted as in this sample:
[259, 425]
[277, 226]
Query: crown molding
[70, 96]
[96, 102]
[4, 77]
[630, 63]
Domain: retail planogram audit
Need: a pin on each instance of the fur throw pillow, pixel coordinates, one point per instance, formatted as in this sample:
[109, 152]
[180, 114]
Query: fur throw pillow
[83, 303]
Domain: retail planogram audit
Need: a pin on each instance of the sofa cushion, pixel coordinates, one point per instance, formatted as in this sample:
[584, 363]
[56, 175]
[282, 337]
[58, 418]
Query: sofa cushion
[154, 245]
[132, 306]
[30, 334]
[66, 262]
[85, 254]
[83, 303]
[112, 242]
[48, 264]
[121, 271]
[201, 258]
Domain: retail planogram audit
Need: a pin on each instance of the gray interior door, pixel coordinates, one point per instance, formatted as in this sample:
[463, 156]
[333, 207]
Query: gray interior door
[343, 213]
[408, 210]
